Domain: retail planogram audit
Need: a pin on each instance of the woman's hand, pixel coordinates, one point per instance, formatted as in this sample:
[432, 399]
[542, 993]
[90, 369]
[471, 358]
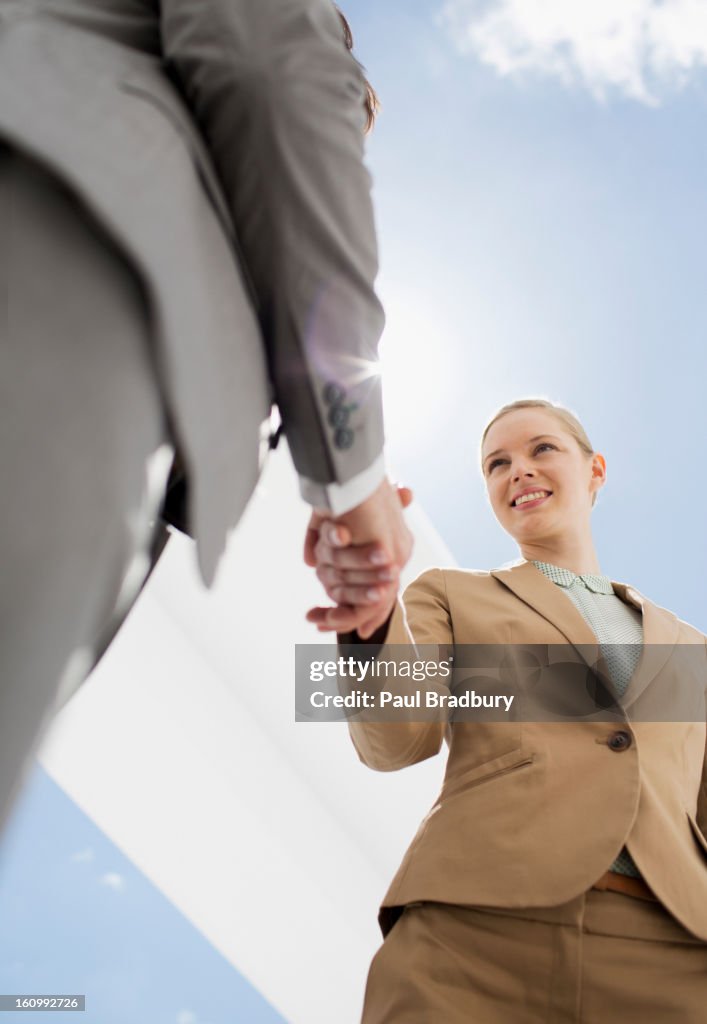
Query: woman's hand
[363, 579]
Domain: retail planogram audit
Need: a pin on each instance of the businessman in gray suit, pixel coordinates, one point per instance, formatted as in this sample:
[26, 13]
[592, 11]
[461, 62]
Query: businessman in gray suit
[187, 241]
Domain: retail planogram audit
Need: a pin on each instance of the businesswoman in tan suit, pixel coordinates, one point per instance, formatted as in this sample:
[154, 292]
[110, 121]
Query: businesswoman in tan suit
[561, 874]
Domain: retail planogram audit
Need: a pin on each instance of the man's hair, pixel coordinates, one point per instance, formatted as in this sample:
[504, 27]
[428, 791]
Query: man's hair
[371, 103]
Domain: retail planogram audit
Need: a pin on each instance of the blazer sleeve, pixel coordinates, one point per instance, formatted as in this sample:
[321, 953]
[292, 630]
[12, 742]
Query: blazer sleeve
[702, 795]
[279, 101]
[420, 619]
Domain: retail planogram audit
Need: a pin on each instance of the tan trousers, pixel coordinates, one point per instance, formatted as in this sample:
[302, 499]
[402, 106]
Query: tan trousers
[601, 958]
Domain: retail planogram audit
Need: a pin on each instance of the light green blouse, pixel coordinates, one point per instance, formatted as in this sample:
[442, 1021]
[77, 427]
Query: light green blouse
[618, 628]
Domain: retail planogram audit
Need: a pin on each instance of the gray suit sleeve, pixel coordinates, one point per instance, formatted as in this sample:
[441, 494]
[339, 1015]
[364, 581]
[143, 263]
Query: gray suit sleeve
[279, 101]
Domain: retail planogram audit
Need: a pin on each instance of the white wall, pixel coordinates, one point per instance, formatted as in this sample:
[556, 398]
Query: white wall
[269, 835]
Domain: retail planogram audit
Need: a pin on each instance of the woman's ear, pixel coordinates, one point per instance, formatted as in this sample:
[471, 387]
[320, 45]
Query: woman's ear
[598, 468]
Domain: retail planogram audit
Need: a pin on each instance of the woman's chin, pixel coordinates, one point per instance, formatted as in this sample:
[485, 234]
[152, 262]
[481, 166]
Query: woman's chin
[529, 533]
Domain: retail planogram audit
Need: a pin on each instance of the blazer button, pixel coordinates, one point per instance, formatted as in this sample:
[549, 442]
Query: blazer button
[619, 740]
[339, 416]
[333, 394]
[344, 438]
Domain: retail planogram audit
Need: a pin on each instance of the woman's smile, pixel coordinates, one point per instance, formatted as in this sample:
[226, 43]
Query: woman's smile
[531, 499]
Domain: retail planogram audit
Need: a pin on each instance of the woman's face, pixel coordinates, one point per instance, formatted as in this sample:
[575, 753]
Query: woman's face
[529, 451]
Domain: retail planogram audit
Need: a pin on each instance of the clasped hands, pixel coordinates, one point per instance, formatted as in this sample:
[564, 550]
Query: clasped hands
[359, 557]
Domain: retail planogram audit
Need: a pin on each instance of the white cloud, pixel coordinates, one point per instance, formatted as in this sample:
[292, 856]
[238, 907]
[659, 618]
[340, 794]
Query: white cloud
[642, 49]
[113, 880]
[83, 856]
[188, 1017]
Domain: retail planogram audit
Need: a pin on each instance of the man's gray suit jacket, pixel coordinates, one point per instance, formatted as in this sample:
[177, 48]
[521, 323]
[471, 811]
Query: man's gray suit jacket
[220, 144]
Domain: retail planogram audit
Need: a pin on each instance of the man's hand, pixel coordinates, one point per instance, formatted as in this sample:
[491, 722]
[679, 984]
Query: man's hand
[358, 558]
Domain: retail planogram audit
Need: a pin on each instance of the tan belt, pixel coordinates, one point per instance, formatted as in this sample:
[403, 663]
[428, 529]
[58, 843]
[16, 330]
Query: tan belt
[624, 883]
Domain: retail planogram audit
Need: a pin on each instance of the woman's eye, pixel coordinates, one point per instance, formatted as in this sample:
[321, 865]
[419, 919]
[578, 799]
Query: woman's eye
[539, 447]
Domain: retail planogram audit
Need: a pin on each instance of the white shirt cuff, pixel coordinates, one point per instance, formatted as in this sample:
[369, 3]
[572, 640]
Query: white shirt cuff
[340, 498]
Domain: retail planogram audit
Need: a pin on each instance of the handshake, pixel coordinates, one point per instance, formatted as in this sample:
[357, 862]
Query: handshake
[359, 557]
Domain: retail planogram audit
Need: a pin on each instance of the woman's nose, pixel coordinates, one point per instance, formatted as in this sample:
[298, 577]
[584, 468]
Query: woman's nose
[521, 470]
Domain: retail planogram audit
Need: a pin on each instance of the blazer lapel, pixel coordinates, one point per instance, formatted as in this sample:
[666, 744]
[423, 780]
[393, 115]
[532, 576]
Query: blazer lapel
[547, 599]
[660, 627]
[660, 634]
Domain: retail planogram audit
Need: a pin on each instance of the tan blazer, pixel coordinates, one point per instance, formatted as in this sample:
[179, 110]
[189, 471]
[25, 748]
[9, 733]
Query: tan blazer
[533, 813]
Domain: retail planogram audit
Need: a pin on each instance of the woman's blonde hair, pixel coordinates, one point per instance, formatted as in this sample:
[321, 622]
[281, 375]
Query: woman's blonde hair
[568, 420]
[371, 103]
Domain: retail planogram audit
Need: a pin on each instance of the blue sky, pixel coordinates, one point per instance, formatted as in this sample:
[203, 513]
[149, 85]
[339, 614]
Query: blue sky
[77, 917]
[536, 239]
